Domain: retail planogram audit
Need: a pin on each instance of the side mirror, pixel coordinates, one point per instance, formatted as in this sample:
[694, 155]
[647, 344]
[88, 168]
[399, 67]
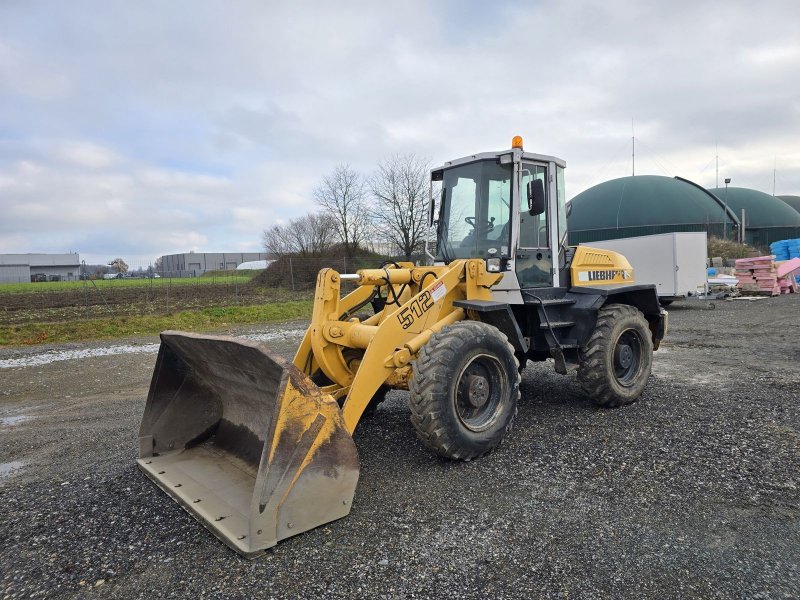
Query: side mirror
[536, 197]
[569, 209]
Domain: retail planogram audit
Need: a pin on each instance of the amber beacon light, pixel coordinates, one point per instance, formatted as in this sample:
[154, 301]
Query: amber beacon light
[517, 142]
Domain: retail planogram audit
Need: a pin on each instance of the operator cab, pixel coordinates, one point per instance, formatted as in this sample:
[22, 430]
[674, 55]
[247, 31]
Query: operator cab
[505, 207]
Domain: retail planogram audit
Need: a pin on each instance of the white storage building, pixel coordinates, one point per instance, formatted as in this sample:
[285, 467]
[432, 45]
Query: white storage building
[194, 264]
[24, 268]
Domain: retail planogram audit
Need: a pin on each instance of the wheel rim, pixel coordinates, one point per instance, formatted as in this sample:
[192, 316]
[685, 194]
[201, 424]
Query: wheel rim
[628, 357]
[479, 392]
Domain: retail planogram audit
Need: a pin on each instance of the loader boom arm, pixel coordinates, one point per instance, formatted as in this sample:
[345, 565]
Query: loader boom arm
[419, 303]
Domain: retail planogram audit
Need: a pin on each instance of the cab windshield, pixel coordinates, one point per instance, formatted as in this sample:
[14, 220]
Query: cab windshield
[476, 211]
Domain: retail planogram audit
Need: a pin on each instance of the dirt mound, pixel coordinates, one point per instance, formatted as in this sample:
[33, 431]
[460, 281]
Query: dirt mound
[300, 272]
[730, 250]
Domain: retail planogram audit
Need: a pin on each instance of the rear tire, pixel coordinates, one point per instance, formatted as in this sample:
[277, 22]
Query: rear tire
[464, 390]
[616, 361]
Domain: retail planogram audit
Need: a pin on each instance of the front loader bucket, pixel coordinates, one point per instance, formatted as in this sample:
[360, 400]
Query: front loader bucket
[244, 441]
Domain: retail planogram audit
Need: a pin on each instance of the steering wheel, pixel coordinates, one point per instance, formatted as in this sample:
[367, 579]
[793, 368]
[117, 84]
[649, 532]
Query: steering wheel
[489, 224]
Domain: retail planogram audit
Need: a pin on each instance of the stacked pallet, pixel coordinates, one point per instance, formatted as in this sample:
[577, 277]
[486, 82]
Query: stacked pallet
[788, 285]
[757, 276]
[789, 275]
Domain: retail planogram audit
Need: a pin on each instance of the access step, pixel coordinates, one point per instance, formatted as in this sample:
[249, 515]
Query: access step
[557, 324]
[557, 302]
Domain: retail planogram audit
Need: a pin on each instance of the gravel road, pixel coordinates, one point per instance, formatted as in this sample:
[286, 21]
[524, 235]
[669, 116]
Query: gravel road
[691, 492]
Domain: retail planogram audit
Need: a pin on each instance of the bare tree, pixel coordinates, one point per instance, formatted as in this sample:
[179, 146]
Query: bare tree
[119, 265]
[342, 195]
[278, 241]
[313, 233]
[310, 235]
[401, 187]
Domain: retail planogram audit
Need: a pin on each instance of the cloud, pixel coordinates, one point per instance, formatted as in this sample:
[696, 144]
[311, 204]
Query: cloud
[139, 129]
[84, 154]
[30, 77]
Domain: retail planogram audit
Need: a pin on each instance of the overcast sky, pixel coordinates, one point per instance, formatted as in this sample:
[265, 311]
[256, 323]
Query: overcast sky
[140, 128]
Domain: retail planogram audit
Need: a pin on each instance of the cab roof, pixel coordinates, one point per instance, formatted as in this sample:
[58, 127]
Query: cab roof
[530, 156]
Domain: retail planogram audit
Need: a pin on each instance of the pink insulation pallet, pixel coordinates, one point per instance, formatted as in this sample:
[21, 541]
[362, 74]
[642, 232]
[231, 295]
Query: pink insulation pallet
[789, 267]
[759, 275]
[788, 286]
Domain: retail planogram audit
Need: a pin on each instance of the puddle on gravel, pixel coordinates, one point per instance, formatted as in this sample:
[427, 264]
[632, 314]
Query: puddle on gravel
[14, 420]
[44, 358]
[276, 335]
[707, 379]
[35, 360]
[719, 378]
[8, 468]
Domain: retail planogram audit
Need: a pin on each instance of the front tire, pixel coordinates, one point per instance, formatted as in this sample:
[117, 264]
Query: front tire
[616, 361]
[464, 390]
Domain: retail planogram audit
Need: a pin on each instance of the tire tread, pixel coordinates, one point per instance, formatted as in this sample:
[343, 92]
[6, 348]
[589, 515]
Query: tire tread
[593, 375]
[429, 388]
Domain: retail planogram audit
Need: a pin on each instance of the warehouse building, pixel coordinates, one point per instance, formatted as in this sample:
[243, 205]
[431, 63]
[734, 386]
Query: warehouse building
[194, 264]
[768, 219]
[25, 268]
[646, 205]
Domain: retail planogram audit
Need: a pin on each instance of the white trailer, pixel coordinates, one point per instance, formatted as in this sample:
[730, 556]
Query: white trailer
[675, 262]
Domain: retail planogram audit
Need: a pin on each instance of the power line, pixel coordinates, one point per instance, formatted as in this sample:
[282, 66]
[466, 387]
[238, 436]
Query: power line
[615, 157]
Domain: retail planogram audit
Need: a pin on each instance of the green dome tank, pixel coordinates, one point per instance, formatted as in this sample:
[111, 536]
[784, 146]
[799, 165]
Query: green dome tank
[768, 219]
[645, 205]
[793, 201]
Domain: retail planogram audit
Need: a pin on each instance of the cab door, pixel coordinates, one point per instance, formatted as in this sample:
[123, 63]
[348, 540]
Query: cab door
[534, 257]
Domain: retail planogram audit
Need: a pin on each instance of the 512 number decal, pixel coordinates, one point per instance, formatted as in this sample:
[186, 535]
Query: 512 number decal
[416, 309]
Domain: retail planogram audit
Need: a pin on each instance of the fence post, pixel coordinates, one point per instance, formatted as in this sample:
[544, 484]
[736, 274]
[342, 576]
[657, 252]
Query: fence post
[291, 272]
[85, 277]
[742, 228]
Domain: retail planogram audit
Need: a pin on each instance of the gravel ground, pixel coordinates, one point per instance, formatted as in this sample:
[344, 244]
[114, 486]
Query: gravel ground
[691, 492]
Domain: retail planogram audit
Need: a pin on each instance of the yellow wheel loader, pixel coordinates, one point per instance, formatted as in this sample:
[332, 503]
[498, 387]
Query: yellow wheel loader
[260, 449]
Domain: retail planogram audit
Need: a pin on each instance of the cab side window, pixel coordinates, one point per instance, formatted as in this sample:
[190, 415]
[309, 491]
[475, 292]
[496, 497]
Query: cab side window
[532, 229]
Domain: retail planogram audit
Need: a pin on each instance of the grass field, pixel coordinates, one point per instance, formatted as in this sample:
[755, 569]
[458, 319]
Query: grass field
[206, 319]
[239, 277]
[59, 312]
